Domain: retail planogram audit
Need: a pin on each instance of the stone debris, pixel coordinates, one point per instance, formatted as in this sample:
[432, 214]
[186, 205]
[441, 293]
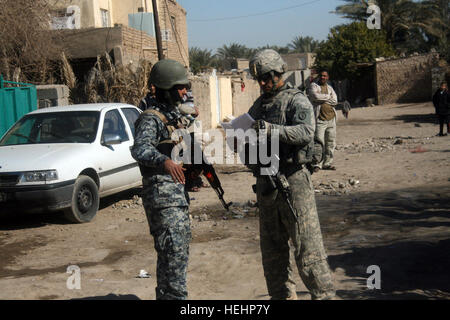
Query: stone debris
[383, 144]
[134, 203]
[143, 274]
[336, 188]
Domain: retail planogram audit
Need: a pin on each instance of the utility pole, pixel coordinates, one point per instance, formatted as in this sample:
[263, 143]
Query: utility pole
[157, 30]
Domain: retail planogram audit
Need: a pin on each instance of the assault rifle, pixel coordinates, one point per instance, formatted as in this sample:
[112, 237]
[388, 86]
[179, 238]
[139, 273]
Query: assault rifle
[207, 169]
[278, 180]
[210, 175]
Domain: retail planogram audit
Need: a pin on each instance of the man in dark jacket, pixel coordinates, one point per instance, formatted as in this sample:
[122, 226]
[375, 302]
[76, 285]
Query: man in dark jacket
[441, 101]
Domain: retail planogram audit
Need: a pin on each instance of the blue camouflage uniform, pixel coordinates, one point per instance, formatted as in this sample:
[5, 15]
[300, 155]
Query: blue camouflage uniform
[165, 202]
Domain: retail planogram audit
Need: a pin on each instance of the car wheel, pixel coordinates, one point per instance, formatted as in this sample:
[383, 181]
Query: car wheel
[85, 201]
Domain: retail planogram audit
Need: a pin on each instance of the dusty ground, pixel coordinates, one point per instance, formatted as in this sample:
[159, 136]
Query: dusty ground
[387, 205]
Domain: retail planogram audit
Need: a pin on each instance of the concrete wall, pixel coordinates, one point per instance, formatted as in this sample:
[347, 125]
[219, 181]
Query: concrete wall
[88, 43]
[243, 100]
[405, 80]
[299, 61]
[202, 98]
[122, 8]
[93, 40]
[210, 92]
[118, 10]
[52, 95]
[87, 19]
[226, 98]
[437, 76]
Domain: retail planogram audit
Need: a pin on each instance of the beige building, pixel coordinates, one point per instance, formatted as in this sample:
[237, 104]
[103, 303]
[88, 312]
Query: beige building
[123, 28]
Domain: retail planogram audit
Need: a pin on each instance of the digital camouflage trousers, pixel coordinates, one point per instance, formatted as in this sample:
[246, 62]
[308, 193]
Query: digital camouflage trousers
[170, 228]
[278, 225]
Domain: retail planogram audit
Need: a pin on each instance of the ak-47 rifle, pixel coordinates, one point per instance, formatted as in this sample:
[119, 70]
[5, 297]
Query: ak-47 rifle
[208, 171]
[192, 169]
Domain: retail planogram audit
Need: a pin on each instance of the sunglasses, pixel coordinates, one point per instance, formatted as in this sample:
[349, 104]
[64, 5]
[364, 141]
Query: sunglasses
[264, 78]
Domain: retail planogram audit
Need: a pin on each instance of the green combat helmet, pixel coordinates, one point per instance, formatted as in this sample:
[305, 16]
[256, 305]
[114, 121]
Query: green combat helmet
[168, 73]
[266, 61]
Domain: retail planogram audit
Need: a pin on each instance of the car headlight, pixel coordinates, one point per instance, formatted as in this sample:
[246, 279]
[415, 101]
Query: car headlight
[39, 176]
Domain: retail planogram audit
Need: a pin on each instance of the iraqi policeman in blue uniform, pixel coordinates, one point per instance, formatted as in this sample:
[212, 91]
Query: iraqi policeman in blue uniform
[164, 196]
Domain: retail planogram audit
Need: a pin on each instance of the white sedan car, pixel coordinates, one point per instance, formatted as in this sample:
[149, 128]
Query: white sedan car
[66, 158]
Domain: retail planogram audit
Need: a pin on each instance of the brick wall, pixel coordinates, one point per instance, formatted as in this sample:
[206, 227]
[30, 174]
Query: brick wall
[172, 17]
[137, 45]
[405, 80]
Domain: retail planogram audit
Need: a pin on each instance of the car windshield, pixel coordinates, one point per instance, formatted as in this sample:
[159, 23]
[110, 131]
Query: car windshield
[54, 127]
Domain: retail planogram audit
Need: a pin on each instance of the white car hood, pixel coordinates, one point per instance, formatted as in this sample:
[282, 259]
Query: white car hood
[33, 157]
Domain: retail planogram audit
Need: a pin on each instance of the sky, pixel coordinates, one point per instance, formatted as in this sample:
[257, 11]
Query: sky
[255, 23]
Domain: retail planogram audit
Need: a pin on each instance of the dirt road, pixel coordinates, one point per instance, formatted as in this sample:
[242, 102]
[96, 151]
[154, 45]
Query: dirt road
[388, 204]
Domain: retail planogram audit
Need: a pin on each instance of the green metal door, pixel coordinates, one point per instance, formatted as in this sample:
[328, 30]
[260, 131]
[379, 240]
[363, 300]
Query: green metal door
[16, 100]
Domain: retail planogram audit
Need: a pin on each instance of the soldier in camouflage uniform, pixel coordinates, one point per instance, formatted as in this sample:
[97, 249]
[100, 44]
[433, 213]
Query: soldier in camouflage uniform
[289, 111]
[164, 197]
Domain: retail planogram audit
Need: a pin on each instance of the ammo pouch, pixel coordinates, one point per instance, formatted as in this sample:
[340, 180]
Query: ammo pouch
[165, 147]
[304, 154]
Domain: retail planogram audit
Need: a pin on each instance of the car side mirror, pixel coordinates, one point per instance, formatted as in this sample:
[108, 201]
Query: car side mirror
[111, 139]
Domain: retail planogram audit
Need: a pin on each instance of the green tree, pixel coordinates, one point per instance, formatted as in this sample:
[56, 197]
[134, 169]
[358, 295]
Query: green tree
[200, 59]
[350, 44]
[234, 51]
[304, 44]
[409, 25]
[227, 54]
[439, 38]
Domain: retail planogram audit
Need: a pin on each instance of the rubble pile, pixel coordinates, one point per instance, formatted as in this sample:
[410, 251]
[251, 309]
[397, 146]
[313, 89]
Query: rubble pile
[383, 144]
[135, 203]
[336, 188]
[237, 211]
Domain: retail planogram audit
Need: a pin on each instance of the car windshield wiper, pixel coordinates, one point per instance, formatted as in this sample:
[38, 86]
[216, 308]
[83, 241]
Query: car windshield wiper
[23, 136]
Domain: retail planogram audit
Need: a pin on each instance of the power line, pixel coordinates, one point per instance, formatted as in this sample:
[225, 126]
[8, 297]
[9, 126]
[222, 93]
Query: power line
[254, 15]
[177, 36]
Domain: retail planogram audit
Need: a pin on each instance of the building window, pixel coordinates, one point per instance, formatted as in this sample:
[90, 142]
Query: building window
[105, 18]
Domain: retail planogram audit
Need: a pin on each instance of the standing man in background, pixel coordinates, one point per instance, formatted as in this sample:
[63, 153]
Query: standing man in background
[441, 101]
[324, 99]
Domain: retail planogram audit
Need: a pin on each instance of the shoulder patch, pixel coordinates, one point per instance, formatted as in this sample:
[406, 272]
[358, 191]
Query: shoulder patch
[302, 115]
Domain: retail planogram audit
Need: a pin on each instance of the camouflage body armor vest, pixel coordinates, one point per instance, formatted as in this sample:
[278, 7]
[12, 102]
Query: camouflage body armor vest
[276, 110]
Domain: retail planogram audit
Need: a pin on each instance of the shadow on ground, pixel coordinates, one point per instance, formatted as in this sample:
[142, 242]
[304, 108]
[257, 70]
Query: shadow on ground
[406, 233]
[112, 296]
[405, 266]
[417, 118]
[18, 220]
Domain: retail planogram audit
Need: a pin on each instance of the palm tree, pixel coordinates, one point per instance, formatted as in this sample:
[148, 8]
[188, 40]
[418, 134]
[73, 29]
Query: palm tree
[439, 35]
[404, 21]
[234, 51]
[200, 59]
[304, 44]
[227, 55]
